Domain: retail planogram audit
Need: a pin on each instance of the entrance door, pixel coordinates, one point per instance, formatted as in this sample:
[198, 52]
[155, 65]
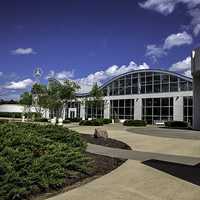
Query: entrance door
[72, 114]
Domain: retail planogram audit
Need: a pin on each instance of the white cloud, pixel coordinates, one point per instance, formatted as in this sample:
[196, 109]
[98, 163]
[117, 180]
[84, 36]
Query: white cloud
[183, 67]
[1, 73]
[99, 77]
[177, 40]
[187, 73]
[155, 52]
[174, 40]
[166, 7]
[61, 75]
[19, 84]
[23, 51]
[195, 23]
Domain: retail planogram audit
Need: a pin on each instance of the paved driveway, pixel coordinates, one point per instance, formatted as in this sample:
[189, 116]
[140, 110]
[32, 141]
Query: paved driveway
[149, 180]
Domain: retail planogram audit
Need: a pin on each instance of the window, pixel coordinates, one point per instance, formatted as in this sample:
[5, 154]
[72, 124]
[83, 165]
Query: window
[146, 83]
[157, 109]
[94, 110]
[187, 109]
[122, 109]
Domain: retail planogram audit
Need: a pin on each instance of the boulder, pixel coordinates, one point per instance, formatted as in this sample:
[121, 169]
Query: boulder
[100, 133]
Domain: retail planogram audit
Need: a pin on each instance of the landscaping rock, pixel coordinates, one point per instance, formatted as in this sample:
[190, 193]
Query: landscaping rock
[100, 133]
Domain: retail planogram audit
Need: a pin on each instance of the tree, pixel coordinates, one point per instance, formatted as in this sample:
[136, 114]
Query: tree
[95, 99]
[60, 94]
[54, 96]
[26, 100]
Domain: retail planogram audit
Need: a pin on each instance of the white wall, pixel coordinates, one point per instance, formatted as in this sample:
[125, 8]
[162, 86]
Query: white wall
[11, 108]
[16, 108]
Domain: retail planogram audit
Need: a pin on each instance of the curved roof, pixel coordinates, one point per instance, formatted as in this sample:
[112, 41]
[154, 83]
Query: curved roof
[138, 71]
[147, 70]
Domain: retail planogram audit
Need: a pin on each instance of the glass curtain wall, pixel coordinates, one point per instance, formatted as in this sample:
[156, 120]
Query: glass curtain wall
[147, 82]
[94, 110]
[157, 109]
[122, 109]
[187, 109]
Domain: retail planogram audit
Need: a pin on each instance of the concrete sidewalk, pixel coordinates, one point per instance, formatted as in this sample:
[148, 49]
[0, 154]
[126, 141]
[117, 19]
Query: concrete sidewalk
[141, 156]
[135, 180]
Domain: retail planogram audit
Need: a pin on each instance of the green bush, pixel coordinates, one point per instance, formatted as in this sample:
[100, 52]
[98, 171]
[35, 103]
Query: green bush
[176, 124]
[10, 114]
[41, 120]
[4, 121]
[94, 122]
[32, 115]
[75, 119]
[107, 121]
[66, 121]
[35, 158]
[134, 123]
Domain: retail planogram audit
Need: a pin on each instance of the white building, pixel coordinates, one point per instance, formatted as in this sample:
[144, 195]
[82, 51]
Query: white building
[151, 95]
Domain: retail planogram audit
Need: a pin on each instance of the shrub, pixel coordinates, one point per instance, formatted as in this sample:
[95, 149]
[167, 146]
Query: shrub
[10, 114]
[38, 157]
[134, 123]
[2, 121]
[32, 115]
[107, 121]
[94, 122]
[176, 124]
[66, 121]
[75, 120]
[41, 120]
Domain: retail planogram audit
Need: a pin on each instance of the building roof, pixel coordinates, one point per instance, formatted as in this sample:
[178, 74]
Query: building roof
[138, 71]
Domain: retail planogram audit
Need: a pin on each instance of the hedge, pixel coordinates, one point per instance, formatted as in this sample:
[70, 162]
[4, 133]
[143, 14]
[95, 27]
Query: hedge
[41, 120]
[35, 158]
[107, 121]
[134, 123]
[94, 122]
[74, 119]
[10, 114]
[176, 124]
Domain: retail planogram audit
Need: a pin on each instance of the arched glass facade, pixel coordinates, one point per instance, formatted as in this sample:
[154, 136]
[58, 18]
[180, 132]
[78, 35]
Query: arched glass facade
[146, 82]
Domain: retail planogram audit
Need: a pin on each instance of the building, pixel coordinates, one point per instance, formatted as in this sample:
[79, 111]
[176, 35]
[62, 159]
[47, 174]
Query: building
[152, 95]
[195, 58]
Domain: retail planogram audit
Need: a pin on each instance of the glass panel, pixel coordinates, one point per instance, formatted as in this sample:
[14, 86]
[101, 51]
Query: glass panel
[149, 89]
[174, 87]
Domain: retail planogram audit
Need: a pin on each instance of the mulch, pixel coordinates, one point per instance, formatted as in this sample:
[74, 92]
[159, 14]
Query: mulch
[101, 165]
[109, 142]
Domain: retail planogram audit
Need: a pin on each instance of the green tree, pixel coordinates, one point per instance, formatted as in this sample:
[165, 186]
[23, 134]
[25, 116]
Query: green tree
[54, 96]
[26, 100]
[95, 98]
[60, 94]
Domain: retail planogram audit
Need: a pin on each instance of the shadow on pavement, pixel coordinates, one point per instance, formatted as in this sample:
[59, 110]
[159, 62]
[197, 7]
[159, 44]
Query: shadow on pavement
[185, 172]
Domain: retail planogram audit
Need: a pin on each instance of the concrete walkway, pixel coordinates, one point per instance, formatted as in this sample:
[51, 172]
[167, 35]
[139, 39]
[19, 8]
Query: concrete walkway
[136, 180]
[168, 133]
[142, 156]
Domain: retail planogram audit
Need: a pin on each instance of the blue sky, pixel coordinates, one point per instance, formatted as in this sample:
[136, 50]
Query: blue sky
[92, 40]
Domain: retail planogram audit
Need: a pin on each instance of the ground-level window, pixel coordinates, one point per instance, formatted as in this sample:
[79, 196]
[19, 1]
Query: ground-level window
[157, 109]
[122, 109]
[94, 110]
[187, 109]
